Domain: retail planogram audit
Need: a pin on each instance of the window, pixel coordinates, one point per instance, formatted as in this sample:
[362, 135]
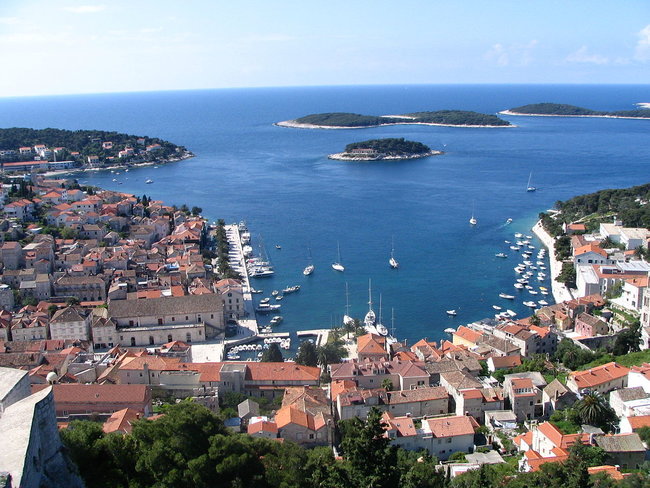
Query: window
[173, 319]
[130, 323]
[151, 342]
[169, 337]
[188, 336]
[448, 440]
[160, 321]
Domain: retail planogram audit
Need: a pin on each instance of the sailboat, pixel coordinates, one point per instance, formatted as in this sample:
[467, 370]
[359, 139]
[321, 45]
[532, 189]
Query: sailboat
[369, 319]
[347, 320]
[310, 267]
[529, 187]
[472, 219]
[392, 261]
[381, 328]
[337, 266]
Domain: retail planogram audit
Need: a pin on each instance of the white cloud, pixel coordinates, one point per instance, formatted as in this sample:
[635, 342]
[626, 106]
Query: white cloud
[86, 9]
[9, 20]
[583, 55]
[642, 52]
[511, 55]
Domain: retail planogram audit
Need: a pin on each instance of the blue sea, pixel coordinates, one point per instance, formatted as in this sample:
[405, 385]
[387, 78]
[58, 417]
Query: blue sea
[281, 183]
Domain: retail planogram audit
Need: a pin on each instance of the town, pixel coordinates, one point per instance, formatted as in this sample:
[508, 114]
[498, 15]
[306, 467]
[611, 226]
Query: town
[117, 307]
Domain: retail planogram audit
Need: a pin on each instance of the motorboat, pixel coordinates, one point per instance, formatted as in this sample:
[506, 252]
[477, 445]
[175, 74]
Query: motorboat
[275, 293]
[308, 270]
[276, 319]
[496, 307]
[501, 255]
[514, 248]
[530, 304]
[450, 330]
[452, 313]
[254, 291]
[148, 181]
[542, 302]
[511, 313]
[278, 246]
[508, 221]
[519, 286]
[506, 296]
[265, 300]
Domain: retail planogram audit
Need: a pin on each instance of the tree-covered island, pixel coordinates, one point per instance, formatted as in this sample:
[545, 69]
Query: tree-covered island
[564, 110]
[50, 149]
[382, 149]
[344, 120]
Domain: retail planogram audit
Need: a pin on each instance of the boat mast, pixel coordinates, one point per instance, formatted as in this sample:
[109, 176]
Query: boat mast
[369, 295]
[392, 322]
[347, 300]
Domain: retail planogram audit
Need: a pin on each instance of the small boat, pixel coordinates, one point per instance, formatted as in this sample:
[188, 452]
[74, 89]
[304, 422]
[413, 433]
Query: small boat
[254, 291]
[530, 187]
[511, 313]
[533, 292]
[370, 318]
[500, 255]
[347, 320]
[278, 246]
[114, 179]
[519, 235]
[309, 269]
[542, 302]
[279, 297]
[472, 219]
[450, 330]
[275, 293]
[392, 261]
[452, 313]
[265, 300]
[506, 296]
[276, 319]
[508, 221]
[530, 304]
[514, 248]
[337, 266]
[519, 286]
[148, 181]
[496, 307]
[543, 288]
[507, 242]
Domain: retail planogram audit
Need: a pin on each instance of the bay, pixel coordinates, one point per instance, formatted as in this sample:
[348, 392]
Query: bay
[281, 183]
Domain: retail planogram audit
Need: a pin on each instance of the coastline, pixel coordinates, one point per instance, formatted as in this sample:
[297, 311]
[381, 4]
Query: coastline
[508, 112]
[82, 169]
[296, 125]
[560, 292]
[345, 157]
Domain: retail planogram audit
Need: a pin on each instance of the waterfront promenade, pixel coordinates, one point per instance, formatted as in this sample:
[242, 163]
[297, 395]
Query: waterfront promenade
[560, 292]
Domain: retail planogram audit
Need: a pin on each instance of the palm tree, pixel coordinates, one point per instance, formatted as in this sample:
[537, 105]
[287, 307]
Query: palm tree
[594, 410]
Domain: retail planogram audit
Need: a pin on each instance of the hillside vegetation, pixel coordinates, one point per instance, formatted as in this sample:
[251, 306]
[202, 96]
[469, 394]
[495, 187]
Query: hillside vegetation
[390, 146]
[446, 117]
[568, 110]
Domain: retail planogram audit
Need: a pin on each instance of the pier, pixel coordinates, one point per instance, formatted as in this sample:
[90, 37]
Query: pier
[248, 325]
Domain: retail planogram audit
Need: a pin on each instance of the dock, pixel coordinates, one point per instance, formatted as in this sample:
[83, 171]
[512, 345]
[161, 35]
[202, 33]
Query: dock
[248, 325]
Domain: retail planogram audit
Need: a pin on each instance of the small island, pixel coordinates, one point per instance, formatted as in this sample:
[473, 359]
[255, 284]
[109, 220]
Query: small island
[24, 149]
[564, 110]
[384, 149]
[446, 118]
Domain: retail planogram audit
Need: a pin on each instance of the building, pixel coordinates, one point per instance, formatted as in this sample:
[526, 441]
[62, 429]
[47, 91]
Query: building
[450, 434]
[624, 450]
[79, 401]
[160, 320]
[70, 323]
[33, 454]
[603, 379]
[524, 390]
[589, 326]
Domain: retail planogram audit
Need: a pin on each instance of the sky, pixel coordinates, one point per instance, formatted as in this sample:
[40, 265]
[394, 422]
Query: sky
[50, 47]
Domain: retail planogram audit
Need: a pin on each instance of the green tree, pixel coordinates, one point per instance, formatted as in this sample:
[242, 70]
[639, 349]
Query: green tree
[272, 354]
[628, 340]
[593, 409]
[372, 459]
[567, 276]
[196, 210]
[387, 384]
[306, 354]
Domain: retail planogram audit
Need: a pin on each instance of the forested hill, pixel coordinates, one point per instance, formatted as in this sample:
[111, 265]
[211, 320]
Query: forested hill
[630, 205]
[442, 117]
[86, 142]
[391, 146]
[572, 110]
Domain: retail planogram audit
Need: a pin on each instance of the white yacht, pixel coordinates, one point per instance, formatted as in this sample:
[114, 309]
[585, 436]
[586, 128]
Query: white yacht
[347, 320]
[370, 318]
[337, 266]
[392, 261]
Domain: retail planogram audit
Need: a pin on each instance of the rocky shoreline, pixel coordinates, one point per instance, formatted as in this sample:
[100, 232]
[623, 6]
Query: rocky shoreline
[348, 157]
[296, 125]
[508, 112]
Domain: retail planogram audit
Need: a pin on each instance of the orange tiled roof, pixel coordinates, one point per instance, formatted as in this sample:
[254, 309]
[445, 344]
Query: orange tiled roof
[452, 426]
[468, 334]
[599, 375]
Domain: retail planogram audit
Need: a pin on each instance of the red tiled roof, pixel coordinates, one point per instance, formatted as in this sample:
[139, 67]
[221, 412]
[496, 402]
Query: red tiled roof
[452, 426]
[599, 375]
[468, 334]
